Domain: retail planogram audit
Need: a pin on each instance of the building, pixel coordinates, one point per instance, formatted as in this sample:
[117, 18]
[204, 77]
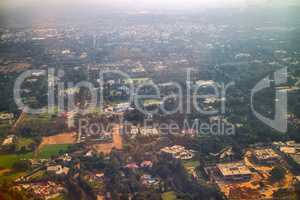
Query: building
[205, 83]
[122, 107]
[148, 180]
[178, 152]
[134, 131]
[297, 179]
[100, 175]
[290, 150]
[44, 190]
[234, 171]
[146, 164]
[6, 116]
[189, 132]
[66, 158]
[149, 131]
[132, 166]
[265, 156]
[287, 150]
[10, 139]
[109, 109]
[58, 170]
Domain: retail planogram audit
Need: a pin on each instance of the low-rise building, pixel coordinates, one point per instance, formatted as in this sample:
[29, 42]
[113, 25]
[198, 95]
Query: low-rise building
[265, 156]
[45, 190]
[132, 166]
[6, 116]
[189, 132]
[291, 150]
[146, 164]
[148, 180]
[58, 169]
[10, 139]
[66, 158]
[297, 179]
[122, 107]
[134, 131]
[178, 152]
[287, 150]
[234, 171]
[149, 131]
[108, 109]
[204, 83]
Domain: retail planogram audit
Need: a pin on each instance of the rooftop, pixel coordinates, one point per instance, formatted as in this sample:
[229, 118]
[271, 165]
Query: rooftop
[178, 152]
[288, 150]
[232, 169]
[264, 154]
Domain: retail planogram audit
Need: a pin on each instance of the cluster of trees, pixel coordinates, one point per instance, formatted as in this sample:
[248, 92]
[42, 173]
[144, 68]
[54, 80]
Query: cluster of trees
[8, 193]
[176, 177]
[277, 174]
[21, 166]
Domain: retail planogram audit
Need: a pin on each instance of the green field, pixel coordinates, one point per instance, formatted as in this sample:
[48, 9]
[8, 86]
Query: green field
[51, 150]
[190, 163]
[24, 142]
[11, 176]
[7, 161]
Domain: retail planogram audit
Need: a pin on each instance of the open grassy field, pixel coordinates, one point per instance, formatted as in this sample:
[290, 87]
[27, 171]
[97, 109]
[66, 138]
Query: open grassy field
[190, 167]
[11, 176]
[190, 164]
[51, 150]
[8, 160]
[24, 142]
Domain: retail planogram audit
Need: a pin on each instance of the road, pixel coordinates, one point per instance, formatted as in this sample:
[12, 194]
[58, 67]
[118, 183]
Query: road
[19, 120]
[117, 142]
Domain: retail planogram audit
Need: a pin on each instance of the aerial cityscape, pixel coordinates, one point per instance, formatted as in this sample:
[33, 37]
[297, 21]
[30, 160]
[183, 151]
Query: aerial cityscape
[138, 100]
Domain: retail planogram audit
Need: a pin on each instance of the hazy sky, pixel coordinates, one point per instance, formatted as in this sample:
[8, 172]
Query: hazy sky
[149, 3]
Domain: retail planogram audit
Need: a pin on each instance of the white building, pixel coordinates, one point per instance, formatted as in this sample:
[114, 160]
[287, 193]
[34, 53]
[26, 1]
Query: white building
[58, 169]
[178, 152]
[149, 131]
[10, 139]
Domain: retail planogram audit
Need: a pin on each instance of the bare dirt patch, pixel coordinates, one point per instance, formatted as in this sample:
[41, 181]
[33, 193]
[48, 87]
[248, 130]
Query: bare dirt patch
[63, 138]
[3, 171]
[117, 142]
[14, 68]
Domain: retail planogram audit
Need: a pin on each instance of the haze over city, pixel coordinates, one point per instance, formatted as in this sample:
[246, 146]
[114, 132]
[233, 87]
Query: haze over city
[149, 100]
[150, 4]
